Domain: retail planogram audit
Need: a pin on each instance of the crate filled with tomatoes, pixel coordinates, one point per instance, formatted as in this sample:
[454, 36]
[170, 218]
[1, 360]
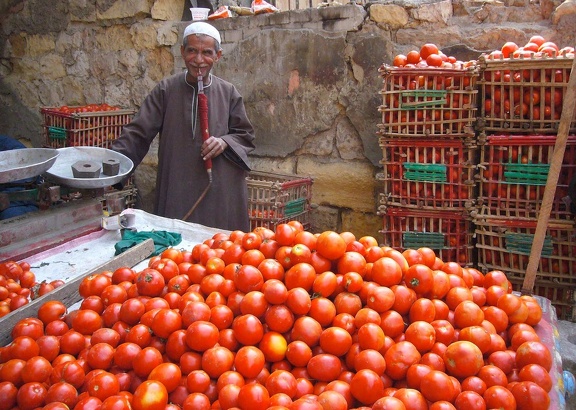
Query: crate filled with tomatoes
[427, 93]
[514, 172]
[94, 125]
[505, 243]
[419, 175]
[522, 89]
[448, 233]
[275, 198]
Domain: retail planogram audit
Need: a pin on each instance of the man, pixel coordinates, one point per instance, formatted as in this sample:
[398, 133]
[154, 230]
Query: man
[171, 110]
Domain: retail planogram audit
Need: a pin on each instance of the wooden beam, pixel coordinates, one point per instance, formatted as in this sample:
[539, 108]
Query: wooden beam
[551, 182]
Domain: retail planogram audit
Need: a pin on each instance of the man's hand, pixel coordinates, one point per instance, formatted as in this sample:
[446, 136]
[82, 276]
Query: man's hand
[213, 147]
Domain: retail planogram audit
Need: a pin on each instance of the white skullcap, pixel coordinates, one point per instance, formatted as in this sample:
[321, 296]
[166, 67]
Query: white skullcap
[199, 27]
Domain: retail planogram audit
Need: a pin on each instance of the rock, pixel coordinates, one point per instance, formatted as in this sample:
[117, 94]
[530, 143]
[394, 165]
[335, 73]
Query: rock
[167, 10]
[565, 10]
[390, 15]
[438, 12]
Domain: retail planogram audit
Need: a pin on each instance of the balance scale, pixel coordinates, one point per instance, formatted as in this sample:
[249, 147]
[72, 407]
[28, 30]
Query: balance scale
[73, 194]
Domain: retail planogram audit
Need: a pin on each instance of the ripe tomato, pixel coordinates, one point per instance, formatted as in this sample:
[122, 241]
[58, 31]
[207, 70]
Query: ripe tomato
[150, 282]
[419, 277]
[165, 322]
[169, 374]
[335, 340]
[463, 359]
[301, 275]
[201, 335]
[331, 245]
[399, 357]
[324, 367]
[253, 396]
[248, 278]
[150, 395]
[306, 329]
[249, 361]
[366, 386]
[533, 352]
[274, 346]
[499, 397]
[248, 329]
[217, 360]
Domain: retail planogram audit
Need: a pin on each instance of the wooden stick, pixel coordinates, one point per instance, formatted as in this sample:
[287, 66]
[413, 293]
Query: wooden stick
[68, 293]
[551, 183]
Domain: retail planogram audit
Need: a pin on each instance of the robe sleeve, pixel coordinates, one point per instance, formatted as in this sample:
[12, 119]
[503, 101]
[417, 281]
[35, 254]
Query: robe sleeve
[240, 137]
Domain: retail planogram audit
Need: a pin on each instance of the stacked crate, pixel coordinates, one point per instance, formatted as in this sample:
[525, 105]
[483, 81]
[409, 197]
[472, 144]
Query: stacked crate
[429, 158]
[93, 125]
[521, 104]
[275, 198]
[83, 128]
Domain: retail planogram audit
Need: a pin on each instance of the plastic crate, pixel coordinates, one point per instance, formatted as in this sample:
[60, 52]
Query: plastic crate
[278, 198]
[94, 129]
[450, 234]
[523, 95]
[418, 174]
[513, 175]
[561, 297]
[505, 244]
[420, 102]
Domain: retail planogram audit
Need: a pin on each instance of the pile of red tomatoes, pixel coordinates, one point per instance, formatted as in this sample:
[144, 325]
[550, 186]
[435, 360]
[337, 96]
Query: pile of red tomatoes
[283, 319]
[18, 285]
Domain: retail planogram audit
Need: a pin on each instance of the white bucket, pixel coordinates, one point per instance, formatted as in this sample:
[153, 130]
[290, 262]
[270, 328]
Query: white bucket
[199, 14]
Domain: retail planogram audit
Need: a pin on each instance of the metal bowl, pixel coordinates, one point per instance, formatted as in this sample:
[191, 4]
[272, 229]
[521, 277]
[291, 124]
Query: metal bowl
[19, 164]
[61, 171]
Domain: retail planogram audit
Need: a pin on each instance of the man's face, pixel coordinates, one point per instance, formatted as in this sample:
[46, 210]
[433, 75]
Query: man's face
[199, 55]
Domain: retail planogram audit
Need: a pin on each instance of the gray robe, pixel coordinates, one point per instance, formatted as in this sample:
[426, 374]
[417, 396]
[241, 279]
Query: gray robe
[171, 111]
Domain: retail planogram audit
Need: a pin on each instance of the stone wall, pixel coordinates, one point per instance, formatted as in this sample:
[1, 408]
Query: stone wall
[309, 77]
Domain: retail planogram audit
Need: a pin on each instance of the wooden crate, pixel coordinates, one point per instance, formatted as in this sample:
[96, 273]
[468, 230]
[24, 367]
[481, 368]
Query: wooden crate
[275, 198]
[505, 244]
[513, 175]
[74, 129]
[449, 233]
[420, 174]
[523, 95]
[423, 102]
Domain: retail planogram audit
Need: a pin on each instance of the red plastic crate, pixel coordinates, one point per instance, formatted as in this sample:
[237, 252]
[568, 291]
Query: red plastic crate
[278, 198]
[418, 174]
[450, 234]
[523, 95]
[87, 129]
[513, 174]
[505, 244]
[420, 102]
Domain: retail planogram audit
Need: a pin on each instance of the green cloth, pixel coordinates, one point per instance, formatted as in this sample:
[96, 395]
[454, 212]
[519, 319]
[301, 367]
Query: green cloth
[162, 240]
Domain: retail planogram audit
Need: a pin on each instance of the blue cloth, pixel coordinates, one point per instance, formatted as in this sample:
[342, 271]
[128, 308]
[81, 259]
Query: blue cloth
[16, 208]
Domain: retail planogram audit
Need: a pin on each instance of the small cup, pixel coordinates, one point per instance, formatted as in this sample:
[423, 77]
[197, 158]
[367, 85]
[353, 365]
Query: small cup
[199, 13]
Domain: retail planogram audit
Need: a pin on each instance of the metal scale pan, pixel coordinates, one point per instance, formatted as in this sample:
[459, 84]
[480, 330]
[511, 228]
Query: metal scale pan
[19, 164]
[61, 172]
